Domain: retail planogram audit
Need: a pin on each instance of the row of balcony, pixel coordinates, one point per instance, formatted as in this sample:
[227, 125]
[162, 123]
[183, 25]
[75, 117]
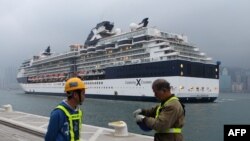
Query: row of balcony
[110, 46]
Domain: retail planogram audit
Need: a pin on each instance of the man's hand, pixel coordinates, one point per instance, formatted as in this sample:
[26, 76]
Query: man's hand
[137, 112]
[139, 118]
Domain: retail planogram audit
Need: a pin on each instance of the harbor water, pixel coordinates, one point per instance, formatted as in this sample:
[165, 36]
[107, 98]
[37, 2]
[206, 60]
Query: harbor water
[204, 121]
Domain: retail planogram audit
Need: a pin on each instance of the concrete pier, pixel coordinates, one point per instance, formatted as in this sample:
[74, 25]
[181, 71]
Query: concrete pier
[16, 126]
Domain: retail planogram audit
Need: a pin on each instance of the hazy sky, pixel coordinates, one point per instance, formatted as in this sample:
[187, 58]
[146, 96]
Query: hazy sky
[220, 28]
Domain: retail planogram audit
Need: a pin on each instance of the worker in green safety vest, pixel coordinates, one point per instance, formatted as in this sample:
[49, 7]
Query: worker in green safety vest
[167, 118]
[66, 119]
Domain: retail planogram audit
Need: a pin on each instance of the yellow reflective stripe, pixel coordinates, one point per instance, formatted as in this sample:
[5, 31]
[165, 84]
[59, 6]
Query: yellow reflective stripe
[72, 135]
[171, 99]
[157, 111]
[71, 118]
[167, 102]
[80, 123]
[173, 130]
[170, 130]
[75, 116]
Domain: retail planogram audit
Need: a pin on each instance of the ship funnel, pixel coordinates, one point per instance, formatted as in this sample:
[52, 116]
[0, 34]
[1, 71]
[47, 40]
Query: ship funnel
[143, 23]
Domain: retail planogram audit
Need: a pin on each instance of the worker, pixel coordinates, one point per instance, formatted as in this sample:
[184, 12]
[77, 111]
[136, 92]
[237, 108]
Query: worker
[167, 118]
[66, 119]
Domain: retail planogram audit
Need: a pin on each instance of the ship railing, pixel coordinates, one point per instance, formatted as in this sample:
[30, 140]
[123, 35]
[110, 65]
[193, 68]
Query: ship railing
[142, 31]
[106, 65]
[105, 57]
[164, 43]
[58, 57]
[92, 73]
[100, 50]
[194, 58]
[136, 61]
[118, 63]
[158, 39]
[186, 49]
[131, 55]
[91, 61]
[139, 42]
[145, 60]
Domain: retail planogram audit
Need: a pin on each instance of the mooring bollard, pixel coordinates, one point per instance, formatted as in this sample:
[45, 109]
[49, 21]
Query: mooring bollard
[7, 108]
[120, 127]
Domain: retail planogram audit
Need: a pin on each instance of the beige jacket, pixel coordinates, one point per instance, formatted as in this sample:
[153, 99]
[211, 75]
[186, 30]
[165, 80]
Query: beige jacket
[170, 116]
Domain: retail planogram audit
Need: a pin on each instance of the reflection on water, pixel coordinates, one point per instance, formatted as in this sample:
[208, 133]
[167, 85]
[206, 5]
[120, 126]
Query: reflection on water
[204, 121]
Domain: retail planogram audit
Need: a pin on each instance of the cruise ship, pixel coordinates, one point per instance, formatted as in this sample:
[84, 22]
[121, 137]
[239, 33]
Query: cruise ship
[122, 65]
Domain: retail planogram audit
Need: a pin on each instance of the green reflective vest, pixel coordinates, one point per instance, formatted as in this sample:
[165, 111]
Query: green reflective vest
[170, 130]
[71, 118]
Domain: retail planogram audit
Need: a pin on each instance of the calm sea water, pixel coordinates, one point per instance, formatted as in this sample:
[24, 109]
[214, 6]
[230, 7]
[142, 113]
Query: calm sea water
[204, 121]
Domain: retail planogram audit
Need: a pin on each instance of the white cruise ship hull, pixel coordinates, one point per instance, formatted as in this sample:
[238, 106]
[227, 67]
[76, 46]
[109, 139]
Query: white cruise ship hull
[188, 89]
